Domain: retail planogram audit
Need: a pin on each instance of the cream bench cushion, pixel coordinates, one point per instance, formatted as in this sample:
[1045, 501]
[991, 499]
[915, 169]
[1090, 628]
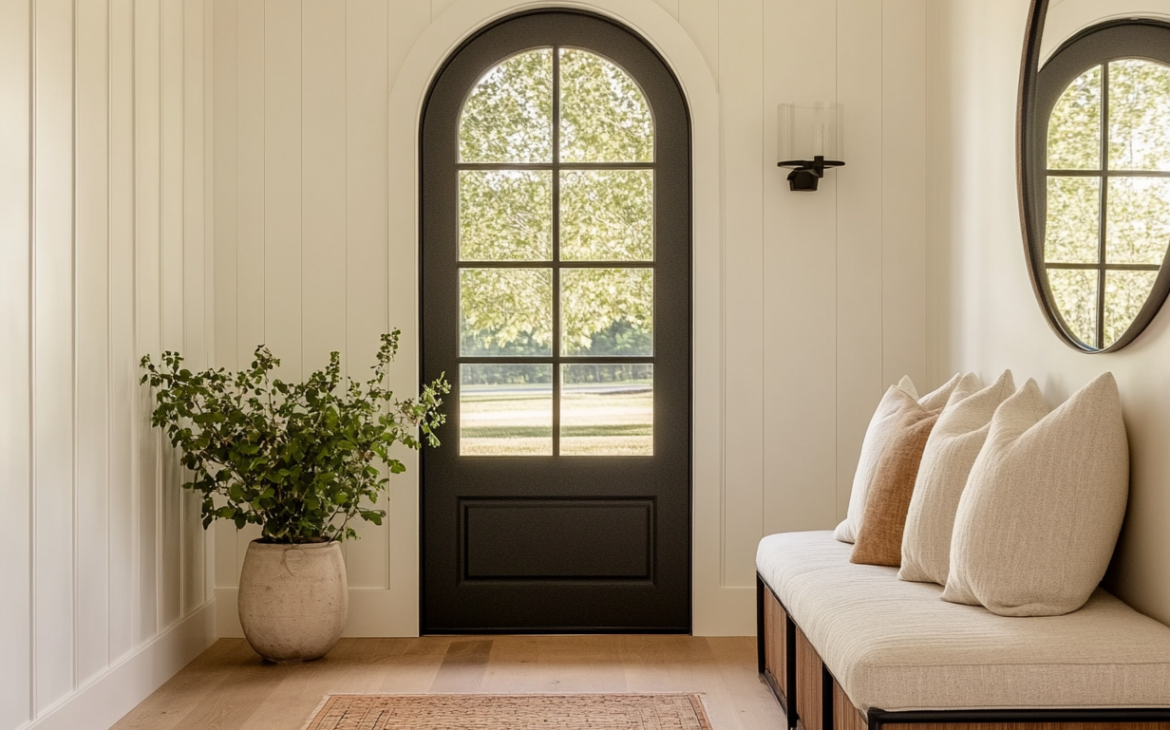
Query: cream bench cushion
[896, 646]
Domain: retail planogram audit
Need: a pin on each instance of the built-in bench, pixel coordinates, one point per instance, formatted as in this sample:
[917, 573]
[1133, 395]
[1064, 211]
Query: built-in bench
[850, 647]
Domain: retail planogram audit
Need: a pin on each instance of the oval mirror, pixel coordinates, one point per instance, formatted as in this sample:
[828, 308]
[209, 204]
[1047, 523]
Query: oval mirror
[1093, 132]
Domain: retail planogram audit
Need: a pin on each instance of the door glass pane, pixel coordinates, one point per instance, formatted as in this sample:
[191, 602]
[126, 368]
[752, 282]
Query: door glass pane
[507, 117]
[607, 312]
[505, 410]
[1139, 115]
[1125, 293]
[604, 115]
[505, 312]
[607, 215]
[1075, 294]
[1139, 220]
[1074, 130]
[1072, 233]
[505, 215]
[607, 410]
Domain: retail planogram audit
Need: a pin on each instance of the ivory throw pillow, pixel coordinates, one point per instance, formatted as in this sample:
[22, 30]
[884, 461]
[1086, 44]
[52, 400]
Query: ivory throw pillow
[950, 452]
[879, 539]
[874, 443]
[1038, 521]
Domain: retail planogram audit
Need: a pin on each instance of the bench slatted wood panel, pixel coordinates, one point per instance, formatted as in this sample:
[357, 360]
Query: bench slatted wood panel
[846, 715]
[810, 692]
[776, 652]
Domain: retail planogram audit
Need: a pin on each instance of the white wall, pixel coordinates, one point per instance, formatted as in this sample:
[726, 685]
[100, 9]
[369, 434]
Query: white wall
[988, 317]
[808, 305]
[103, 257]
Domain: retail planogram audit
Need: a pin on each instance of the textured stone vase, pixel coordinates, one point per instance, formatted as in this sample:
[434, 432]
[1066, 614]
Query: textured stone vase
[293, 599]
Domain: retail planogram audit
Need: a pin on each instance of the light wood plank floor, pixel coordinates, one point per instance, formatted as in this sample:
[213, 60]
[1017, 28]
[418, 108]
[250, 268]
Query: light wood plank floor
[228, 687]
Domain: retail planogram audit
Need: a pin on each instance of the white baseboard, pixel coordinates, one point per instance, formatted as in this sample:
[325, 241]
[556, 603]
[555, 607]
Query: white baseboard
[376, 612]
[725, 611]
[373, 613]
[105, 699]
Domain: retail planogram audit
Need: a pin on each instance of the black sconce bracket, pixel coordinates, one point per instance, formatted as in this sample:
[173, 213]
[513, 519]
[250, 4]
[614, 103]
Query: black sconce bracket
[807, 173]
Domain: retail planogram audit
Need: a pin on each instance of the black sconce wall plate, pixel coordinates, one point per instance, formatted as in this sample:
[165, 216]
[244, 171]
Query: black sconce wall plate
[806, 174]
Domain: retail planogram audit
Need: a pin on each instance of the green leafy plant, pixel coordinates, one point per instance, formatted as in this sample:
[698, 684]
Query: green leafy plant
[300, 460]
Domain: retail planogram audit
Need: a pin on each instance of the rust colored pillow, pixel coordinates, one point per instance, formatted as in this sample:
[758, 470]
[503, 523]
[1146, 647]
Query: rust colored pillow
[879, 541]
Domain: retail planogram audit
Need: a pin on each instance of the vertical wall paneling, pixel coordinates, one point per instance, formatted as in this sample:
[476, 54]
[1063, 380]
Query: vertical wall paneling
[92, 221]
[208, 160]
[92, 338]
[147, 299]
[904, 191]
[800, 307]
[224, 277]
[15, 268]
[741, 28]
[324, 237]
[367, 265]
[172, 525]
[250, 148]
[282, 184]
[250, 216]
[124, 597]
[700, 19]
[53, 332]
[193, 260]
[859, 234]
[323, 232]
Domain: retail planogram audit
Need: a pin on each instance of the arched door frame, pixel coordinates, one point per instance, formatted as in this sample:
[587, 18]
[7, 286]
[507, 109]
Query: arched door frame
[717, 609]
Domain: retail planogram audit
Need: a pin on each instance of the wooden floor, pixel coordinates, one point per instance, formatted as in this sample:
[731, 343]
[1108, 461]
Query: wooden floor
[228, 686]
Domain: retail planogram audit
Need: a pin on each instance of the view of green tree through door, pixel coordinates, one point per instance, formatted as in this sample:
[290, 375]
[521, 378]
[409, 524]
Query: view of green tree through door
[556, 295]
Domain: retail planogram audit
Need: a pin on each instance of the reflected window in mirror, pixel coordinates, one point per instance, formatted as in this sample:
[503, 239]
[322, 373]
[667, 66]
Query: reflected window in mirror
[1100, 183]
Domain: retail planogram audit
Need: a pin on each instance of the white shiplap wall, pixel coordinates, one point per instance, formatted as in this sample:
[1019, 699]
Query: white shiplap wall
[104, 124]
[823, 296]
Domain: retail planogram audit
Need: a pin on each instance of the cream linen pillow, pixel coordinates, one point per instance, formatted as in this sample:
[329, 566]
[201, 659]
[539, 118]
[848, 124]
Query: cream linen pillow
[1038, 521]
[946, 461]
[874, 443]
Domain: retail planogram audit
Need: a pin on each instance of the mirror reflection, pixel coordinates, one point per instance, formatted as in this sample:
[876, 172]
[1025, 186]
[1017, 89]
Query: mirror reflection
[1096, 177]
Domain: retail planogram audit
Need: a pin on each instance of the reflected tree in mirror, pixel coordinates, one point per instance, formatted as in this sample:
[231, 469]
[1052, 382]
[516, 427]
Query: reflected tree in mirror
[1075, 295]
[1125, 293]
[1074, 132]
[1106, 186]
[1074, 219]
[1138, 220]
[1139, 115]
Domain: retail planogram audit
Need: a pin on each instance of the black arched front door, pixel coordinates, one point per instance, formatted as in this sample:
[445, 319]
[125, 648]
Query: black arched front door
[556, 295]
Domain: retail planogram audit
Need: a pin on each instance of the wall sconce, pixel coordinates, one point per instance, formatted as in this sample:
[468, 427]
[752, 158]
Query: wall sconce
[810, 140]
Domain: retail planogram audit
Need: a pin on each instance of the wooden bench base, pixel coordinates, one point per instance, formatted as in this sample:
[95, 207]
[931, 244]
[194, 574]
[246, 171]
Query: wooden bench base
[813, 700]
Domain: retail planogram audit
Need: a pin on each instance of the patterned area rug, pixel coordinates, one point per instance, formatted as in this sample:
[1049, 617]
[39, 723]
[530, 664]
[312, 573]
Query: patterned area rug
[660, 711]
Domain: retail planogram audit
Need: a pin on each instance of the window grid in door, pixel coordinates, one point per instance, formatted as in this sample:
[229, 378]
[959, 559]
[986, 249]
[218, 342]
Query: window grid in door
[566, 268]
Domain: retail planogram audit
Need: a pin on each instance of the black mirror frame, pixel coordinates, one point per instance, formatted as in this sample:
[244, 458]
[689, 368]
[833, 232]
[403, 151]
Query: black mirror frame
[1030, 146]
